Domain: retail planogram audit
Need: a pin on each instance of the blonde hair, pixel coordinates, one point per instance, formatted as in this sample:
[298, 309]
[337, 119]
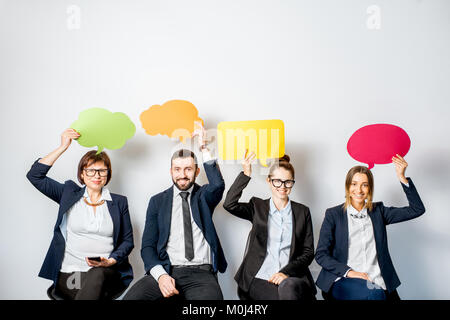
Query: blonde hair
[348, 182]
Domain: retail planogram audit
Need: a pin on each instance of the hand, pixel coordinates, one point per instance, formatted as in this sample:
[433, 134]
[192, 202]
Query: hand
[167, 286]
[360, 275]
[67, 136]
[102, 263]
[400, 167]
[247, 162]
[200, 132]
[277, 278]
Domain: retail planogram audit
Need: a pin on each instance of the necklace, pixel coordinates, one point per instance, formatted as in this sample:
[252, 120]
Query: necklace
[94, 204]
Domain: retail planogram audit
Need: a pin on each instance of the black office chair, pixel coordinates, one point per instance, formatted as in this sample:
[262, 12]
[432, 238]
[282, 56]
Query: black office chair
[53, 294]
[327, 296]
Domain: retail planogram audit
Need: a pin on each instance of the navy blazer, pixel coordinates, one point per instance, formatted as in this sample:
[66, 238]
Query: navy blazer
[159, 215]
[66, 195]
[332, 249]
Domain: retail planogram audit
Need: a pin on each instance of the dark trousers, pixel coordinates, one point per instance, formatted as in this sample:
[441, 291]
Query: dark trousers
[359, 289]
[191, 283]
[291, 288]
[96, 284]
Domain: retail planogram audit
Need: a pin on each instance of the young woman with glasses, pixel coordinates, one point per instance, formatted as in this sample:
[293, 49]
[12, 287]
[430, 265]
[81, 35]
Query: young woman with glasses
[280, 245]
[93, 236]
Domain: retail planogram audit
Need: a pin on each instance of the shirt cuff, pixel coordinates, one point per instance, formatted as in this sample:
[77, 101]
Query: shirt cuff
[345, 275]
[157, 271]
[405, 184]
[206, 156]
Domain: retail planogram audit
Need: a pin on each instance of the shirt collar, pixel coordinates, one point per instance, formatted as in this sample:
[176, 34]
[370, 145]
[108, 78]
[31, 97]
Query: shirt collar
[106, 195]
[177, 191]
[353, 212]
[273, 208]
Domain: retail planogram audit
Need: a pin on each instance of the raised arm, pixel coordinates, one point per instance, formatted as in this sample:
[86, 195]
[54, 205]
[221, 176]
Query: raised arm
[37, 175]
[242, 210]
[213, 191]
[415, 206]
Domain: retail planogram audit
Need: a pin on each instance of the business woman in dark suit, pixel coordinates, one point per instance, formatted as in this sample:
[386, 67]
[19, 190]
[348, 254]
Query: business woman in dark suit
[353, 249]
[280, 244]
[91, 223]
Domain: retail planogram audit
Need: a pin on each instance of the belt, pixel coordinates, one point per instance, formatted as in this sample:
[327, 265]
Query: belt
[206, 267]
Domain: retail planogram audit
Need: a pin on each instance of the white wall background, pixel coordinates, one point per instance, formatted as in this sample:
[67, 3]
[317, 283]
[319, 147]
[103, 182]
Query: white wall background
[316, 65]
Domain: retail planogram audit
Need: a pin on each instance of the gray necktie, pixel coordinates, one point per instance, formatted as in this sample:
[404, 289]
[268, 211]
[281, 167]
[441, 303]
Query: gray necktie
[188, 239]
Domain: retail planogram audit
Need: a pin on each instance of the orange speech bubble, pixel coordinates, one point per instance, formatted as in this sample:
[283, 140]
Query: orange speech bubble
[175, 119]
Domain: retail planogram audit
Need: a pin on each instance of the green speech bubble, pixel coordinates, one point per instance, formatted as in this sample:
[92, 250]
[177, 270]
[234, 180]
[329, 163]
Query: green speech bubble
[104, 129]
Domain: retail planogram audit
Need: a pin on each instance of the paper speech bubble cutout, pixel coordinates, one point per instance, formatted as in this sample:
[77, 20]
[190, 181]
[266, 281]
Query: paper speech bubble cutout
[175, 119]
[264, 137]
[378, 143]
[104, 129]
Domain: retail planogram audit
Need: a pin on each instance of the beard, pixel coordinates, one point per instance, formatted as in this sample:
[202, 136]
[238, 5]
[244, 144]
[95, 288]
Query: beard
[187, 187]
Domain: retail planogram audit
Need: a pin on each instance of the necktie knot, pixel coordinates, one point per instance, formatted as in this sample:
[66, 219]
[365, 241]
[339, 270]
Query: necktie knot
[184, 195]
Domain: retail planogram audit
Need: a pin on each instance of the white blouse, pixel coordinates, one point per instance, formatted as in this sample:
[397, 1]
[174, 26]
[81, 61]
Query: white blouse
[362, 251]
[89, 234]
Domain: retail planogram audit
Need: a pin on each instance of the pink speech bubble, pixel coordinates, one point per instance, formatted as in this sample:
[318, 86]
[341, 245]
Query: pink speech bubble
[378, 143]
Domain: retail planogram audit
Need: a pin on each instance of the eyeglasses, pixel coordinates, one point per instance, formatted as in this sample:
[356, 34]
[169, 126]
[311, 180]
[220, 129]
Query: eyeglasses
[93, 172]
[278, 183]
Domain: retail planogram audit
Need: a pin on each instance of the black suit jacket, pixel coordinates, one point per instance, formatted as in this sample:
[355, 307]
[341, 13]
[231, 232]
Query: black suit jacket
[257, 212]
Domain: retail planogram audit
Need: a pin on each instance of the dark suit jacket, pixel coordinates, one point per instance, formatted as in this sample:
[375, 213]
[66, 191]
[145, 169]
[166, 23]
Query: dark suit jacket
[159, 215]
[332, 249]
[257, 212]
[66, 195]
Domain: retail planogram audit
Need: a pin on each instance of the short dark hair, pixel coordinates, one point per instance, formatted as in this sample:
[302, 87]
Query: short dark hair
[184, 153]
[92, 157]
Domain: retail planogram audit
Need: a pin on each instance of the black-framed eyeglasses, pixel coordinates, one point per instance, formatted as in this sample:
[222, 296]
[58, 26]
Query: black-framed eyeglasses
[93, 172]
[278, 183]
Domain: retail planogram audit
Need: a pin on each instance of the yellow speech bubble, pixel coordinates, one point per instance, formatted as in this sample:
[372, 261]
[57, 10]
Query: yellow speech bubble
[263, 137]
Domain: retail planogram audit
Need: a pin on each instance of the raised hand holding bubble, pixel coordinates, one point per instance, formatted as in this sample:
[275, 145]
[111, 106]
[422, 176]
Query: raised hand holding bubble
[400, 167]
[67, 136]
[247, 162]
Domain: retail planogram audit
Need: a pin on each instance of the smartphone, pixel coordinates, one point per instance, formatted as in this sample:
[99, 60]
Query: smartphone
[98, 259]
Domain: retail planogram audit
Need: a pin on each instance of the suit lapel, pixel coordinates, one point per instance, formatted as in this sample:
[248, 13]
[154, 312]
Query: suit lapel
[166, 216]
[265, 210]
[344, 221]
[295, 218]
[195, 209]
[72, 199]
[115, 216]
[375, 223]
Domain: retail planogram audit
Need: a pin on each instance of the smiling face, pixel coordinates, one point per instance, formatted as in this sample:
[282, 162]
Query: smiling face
[359, 190]
[183, 172]
[98, 180]
[281, 192]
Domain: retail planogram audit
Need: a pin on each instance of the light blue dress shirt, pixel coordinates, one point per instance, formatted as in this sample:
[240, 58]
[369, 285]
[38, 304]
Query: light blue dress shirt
[279, 227]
